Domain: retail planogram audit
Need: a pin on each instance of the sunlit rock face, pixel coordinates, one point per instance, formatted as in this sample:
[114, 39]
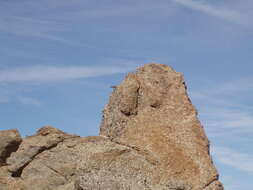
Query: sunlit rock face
[150, 139]
[151, 111]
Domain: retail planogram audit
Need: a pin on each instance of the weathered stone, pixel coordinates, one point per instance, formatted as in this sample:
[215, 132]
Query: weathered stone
[45, 139]
[106, 165]
[53, 168]
[150, 139]
[150, 110]
[215, 185]
[9, 142]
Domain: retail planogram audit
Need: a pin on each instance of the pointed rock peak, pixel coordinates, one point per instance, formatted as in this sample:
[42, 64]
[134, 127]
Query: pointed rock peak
[153, 87]
[151, 111]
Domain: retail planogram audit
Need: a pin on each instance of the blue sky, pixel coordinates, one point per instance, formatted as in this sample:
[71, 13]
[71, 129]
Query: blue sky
[58, 59]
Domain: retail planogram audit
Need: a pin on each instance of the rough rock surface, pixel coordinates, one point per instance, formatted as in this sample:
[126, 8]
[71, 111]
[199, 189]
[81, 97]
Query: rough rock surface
[150, 139]
[9, 142]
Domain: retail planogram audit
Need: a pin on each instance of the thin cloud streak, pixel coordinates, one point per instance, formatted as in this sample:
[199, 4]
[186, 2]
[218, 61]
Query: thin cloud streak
[223, 113]
[52, 73]
[225, 118]
[238, 160]
[36, 28]
[210, 10]
[29, 101]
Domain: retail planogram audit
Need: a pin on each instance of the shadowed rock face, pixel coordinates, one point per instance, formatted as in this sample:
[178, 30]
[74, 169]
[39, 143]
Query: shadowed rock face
[9, 142]
[150, 139]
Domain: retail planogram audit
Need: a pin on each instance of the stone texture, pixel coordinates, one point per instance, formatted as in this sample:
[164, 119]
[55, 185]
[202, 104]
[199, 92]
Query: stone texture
[112, 166]
[150, 139]
[150, 110]
[9, 142]
[41, 162]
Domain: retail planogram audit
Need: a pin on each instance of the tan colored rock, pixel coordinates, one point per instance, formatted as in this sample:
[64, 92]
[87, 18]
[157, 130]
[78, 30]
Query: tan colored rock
[106, 165]
[150, 139]
[9, 142]
[7, 182]
[150, 110]
[41, 162]
[54, 168]
[214, 185]
[45, 139]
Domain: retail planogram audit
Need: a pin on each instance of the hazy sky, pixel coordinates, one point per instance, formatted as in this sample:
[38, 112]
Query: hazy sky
[58, 59]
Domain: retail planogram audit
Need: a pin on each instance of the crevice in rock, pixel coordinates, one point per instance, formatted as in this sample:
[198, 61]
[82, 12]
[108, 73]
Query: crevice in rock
[155, 105]
[137, 98]
[210, 183]
[148, 157]
[55, 171]
[126, 113]
[12, 147]
[134, 110]
[18, 172]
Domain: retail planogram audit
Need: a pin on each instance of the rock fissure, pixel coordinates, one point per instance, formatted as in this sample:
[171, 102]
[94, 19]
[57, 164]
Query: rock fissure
[57, 172]
[138, 96]
[10, 141]
[12, 147]
[147, 155]
[18, 171]
[212, 181]
[214, 184]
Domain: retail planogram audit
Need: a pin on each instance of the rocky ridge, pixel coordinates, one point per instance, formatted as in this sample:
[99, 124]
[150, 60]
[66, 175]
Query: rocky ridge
[150, 139]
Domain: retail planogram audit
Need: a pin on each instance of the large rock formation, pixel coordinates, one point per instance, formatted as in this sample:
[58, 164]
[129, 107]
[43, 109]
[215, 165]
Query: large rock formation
[150, 139]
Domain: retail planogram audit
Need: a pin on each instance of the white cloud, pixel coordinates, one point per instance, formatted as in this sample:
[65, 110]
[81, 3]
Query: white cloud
[208, 9]
[37, 28]
[222, 106]
[52, 73]
[29, 101]
[238, 160]
[240, 85]
[230, 119]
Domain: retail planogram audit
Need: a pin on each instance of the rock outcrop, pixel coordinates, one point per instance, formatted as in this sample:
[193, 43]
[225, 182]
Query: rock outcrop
[150, 139]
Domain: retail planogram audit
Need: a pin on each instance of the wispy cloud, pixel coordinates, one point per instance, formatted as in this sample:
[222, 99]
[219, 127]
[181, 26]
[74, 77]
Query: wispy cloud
[242, 85]
[217, 119]
[239, 85]
[224, 107]
[36, 28]
[225, 94]
[238, 160]
[226, 14]
[52, 73]
[226, 111]
[29, 101]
